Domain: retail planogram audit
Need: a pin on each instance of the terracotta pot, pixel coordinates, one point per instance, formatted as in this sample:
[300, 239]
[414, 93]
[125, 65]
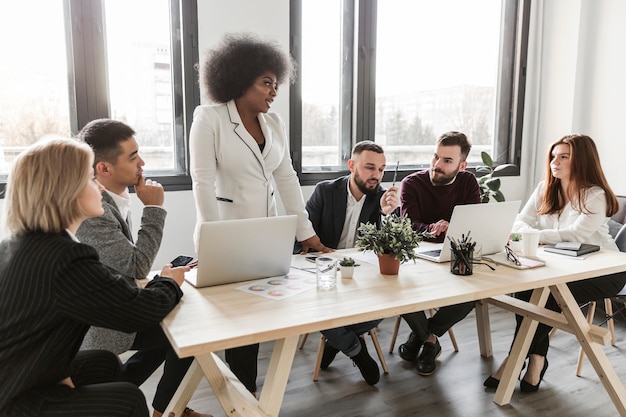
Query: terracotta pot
[388, 264]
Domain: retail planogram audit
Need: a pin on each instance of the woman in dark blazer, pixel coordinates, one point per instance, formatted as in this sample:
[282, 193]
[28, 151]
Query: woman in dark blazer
[52, 288]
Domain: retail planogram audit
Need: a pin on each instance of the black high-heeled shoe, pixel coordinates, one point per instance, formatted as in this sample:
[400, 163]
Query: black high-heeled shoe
[528, 387]
[492, 382]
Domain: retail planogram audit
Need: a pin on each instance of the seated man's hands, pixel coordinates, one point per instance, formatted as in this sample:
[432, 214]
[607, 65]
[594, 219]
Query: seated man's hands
[438, 228]
[389, 201]
[314, 243]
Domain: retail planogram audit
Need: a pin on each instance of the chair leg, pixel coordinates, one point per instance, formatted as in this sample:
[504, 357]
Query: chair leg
[453, 339]
[318, 360]
[394, 335]
[379, 351]
[302, 341]
[581, 356]
[608, 308]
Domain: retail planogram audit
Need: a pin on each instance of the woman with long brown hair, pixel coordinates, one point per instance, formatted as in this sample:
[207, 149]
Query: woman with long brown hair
[572, 204]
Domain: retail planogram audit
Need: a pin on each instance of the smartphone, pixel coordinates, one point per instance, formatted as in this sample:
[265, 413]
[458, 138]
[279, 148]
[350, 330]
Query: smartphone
[181, 260]
[311, 258]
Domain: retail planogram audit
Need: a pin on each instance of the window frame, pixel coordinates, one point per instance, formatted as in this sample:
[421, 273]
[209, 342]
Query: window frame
[361, 108]
[88, 79]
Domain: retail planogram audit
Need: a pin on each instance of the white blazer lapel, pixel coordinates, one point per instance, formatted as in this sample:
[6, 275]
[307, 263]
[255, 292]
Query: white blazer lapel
[267, 132]
[243, 134]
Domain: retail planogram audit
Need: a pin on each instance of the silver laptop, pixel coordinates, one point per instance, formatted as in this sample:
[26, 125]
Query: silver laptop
[489, 224]
[241, 250]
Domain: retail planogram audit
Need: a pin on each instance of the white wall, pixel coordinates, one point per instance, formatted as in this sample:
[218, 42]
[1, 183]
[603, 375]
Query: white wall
[576, 83]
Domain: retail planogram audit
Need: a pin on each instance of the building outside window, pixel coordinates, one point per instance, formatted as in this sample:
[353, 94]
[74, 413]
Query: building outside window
[401, 72]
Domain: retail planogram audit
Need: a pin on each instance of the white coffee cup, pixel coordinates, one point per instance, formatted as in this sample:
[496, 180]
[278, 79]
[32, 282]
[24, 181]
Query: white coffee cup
[530, 242]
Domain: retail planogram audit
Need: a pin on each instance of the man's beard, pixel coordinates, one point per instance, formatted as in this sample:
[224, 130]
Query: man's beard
[362, 185]
[439, 181]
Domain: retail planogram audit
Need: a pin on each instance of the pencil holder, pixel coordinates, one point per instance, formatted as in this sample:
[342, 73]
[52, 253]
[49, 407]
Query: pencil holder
[461, 261]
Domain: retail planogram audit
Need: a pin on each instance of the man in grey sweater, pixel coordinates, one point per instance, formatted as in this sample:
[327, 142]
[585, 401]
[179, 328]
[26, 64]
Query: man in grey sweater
[117, 166]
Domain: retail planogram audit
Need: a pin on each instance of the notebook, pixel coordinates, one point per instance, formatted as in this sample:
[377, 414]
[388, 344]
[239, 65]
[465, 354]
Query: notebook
[242, 250]
[571, 248]
[489, 224]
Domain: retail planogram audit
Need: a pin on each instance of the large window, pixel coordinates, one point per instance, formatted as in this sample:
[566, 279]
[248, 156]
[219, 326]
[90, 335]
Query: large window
[130, 61]
[34, 95]
[401, 72]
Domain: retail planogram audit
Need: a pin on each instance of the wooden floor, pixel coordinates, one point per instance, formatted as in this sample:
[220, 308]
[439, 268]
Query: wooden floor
[454, 390]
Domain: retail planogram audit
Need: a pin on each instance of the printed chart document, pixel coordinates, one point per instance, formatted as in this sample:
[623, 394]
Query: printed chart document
[282, 286]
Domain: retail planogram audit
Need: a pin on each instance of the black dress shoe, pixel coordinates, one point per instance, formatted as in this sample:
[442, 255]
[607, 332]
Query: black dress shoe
[367, 365]
[328, 356]
[426, 361]
[409, 350]
[492, 382]
[527, 387]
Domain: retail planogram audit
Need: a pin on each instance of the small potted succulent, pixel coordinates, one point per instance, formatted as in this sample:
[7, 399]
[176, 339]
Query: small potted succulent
[515, 242]
[347, 267]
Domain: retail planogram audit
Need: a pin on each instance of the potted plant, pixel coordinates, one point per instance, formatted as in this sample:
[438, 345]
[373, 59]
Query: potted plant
[515, 242]
[490, 186]
[394, 242]
[347, 267]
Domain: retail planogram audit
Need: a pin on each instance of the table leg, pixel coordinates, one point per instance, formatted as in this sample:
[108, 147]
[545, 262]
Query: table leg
[517, 356]
[185, 390]
[594, 351]
[484, 329]
[235, 399]
[278, 375]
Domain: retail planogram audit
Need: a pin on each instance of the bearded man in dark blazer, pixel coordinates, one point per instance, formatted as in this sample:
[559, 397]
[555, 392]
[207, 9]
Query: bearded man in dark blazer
[336, 209]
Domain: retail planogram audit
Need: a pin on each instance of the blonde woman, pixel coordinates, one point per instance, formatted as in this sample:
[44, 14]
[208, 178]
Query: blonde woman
[52, 288]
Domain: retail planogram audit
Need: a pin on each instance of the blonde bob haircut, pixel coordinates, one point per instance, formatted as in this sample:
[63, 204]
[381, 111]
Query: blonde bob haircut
[44, 184]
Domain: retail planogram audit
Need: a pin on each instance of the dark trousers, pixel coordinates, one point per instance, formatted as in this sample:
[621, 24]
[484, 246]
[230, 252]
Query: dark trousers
[440, 322]
[153, 348]
[346, 338]
[98, 393]
[243, 362]
[583, 291]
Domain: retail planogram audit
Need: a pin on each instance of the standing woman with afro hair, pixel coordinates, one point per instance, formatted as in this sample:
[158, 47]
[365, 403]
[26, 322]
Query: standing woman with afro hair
[239, 149]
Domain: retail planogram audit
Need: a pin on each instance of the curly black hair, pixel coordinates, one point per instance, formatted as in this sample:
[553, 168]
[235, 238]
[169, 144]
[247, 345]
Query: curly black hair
[233, 66]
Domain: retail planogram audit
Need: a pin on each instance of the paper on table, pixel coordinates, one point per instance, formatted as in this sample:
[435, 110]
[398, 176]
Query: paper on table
[363, 256]
[282, 286]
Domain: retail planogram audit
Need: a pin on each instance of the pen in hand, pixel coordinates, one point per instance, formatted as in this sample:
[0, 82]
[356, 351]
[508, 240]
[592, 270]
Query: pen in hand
[395, 174]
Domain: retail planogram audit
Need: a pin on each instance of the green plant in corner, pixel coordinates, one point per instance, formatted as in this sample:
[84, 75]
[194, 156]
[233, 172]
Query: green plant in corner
[394, 237]
[490, 186]
[347, 262]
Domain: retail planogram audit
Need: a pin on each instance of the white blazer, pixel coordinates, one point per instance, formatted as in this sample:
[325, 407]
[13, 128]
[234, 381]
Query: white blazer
[232, 178]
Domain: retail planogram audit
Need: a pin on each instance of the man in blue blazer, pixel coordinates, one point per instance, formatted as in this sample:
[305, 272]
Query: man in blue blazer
[336, 209]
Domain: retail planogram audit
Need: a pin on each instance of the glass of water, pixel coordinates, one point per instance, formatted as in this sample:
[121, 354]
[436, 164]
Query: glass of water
[326, 269]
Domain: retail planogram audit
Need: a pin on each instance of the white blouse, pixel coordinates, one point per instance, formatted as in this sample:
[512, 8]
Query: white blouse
[570, 225]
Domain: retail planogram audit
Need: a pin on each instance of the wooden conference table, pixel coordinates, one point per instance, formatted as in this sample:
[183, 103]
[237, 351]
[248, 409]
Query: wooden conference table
[211, 319]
